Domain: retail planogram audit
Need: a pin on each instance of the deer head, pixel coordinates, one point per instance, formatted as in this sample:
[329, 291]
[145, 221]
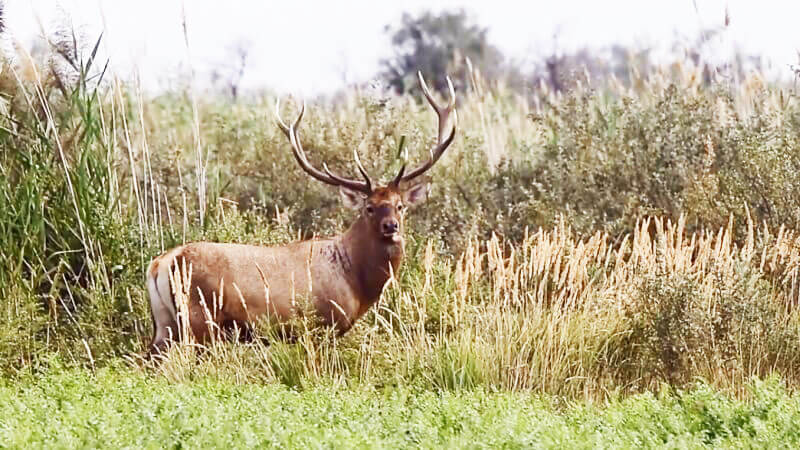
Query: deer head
[382, 208]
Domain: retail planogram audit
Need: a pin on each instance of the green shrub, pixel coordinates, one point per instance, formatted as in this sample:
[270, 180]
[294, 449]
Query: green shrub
[675, 327]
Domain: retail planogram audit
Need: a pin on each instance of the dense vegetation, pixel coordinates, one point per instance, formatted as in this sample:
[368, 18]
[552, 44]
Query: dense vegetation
[590, 245]
[117, 408]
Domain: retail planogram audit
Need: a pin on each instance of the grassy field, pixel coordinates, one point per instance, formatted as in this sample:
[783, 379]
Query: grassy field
[123, 408]
[585, 248]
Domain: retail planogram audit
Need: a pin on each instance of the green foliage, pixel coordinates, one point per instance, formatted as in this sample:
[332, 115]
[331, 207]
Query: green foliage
[119, 408]
[663, 323]
[674, 328]
[63, 238]
[671, 150]
[455, 366]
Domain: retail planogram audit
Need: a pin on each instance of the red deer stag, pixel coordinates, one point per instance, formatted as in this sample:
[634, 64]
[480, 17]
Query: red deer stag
[340, 277]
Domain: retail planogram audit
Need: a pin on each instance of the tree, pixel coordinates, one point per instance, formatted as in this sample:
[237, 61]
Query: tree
[437, 45]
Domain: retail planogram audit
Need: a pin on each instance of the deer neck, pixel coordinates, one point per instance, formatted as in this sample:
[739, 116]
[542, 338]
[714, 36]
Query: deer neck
[372, 259]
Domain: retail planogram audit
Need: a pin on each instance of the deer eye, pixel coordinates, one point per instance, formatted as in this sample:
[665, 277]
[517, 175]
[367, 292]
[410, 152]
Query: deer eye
[370, 210]
[401, 206]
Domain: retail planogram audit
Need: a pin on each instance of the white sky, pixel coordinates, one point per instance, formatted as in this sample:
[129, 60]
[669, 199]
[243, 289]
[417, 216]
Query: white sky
[311, 46]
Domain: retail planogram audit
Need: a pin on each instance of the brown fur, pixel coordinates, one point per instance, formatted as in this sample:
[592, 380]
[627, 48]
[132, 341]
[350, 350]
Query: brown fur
[338, 279]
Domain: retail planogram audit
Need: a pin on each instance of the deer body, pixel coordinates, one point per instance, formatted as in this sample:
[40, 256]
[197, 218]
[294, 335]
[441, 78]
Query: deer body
[337, 279]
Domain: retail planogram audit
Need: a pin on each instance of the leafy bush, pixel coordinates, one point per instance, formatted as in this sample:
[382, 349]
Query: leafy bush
[675, 328]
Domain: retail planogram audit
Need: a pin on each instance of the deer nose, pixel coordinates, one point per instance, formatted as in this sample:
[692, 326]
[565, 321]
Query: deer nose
[390, 226]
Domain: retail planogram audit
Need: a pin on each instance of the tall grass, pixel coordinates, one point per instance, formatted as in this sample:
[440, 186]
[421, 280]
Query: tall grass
[560, 315]
[608, 240]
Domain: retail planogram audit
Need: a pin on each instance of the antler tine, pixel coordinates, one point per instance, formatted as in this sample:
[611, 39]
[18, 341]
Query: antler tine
[300, 156]
[442, 112]
[281, 124]
[366, 186]
[396, 181]
[362, 169]
[442, 143]
[435, 154]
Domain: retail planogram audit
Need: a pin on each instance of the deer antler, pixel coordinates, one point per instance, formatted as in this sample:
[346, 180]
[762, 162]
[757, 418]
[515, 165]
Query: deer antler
[442, 142]
[326, 176]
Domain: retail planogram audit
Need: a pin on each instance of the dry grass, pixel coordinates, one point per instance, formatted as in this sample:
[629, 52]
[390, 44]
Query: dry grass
[556, 314]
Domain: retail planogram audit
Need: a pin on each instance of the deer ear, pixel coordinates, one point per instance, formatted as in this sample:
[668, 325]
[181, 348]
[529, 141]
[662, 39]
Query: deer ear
[416, 194]
[352, 199]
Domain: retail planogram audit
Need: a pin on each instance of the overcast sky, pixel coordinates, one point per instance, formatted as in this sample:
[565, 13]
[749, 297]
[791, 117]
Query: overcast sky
[312, 46]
